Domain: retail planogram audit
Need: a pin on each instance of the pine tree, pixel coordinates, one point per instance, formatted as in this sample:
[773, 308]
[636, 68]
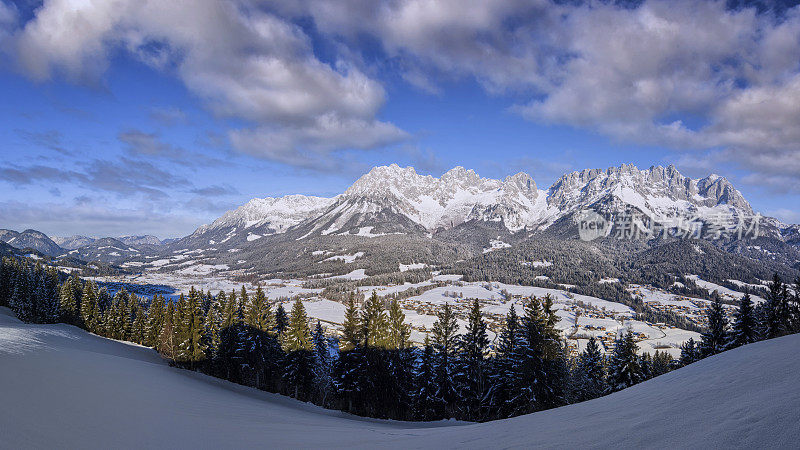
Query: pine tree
[299, 368]
[191, 347]
[213, 323]
[281, 320]
[257, 312]
[662, 363]
[297, 335]
[689, 352]
[744, 329]
[471, 376]
[399, 331]
[590, 373]
[323, 381]
[89, 309]
[155, 321]
[776, 310]
[716, 336]
[138, 327]
[69, 306]
[444, 340]
[374, 323]
[426, 404]
[623, 367]
[538, 378]
[351, 326]
[167, 342]
[503, 368]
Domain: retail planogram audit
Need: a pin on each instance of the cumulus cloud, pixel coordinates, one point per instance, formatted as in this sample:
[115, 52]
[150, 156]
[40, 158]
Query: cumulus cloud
[680, 74]
[241, 61]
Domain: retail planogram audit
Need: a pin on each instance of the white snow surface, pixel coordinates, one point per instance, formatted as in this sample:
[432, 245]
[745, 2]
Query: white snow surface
[58, 381]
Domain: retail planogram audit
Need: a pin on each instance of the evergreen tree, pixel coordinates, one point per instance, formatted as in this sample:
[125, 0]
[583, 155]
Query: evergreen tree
[351, 327]
[776, 312]
[281, 320]
[90, 312]
[716, 336]
[590, 373]
[662, 363]
[504, 365]
[399, 331]
[427, 405]
[257, 312]
[323, 380]
[155, 320]
[374, 323]
[297, 335]
[444, 340]
[538, 373]
[167, 342]
[138, 327]
[472, 365]
[744, 328]
[299, 365]
[689, 352]
[68, 304]
[623, 367]
[191, 348]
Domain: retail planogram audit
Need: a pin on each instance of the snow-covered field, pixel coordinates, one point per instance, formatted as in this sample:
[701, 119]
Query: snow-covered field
[64, 388]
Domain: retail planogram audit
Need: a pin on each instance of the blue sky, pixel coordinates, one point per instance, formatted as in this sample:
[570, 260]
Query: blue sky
[120, 120]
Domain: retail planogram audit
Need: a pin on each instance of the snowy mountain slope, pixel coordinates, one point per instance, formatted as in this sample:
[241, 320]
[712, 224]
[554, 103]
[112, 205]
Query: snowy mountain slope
[31, 239]
[140, 240]
[72, 242]
[392, 199]
[70, 389]
[386, 193]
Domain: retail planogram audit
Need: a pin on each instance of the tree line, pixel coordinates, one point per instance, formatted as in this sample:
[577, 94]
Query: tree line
[372, 369]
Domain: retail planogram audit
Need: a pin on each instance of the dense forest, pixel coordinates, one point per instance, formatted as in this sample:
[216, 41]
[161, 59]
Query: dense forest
[370, 368]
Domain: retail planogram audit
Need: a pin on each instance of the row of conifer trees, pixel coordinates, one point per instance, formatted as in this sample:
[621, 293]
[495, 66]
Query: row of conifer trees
[371, 368]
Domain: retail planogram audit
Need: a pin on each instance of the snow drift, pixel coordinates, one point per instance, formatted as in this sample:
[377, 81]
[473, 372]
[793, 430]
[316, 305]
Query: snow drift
[61, 386]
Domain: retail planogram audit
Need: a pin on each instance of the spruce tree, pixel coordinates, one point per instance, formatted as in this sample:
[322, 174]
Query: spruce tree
[504, 365]
[299, 365]
[444, 340]
[399, 331]
[281, 320]
[192, 348]
[167, 340]
[90, 312]
[715, 337]
[689, 352]
[426, 403]
[623, 367]
[472, 365]
[776, 310]
[744, 328]
[323, 381]
[297, 335]
[257, 312]
[374, 323]
[69, 306]
[138, 327]
[155, 320]
[590, 373]
[351, 326]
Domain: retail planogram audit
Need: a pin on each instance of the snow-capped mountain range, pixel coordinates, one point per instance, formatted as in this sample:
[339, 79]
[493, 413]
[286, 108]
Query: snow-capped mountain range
[392, 199]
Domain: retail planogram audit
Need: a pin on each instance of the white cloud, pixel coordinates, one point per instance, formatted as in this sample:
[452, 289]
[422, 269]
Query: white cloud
[678, 73]
[242, 62]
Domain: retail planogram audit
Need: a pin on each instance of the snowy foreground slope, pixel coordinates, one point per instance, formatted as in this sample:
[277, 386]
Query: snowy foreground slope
[61, 387]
